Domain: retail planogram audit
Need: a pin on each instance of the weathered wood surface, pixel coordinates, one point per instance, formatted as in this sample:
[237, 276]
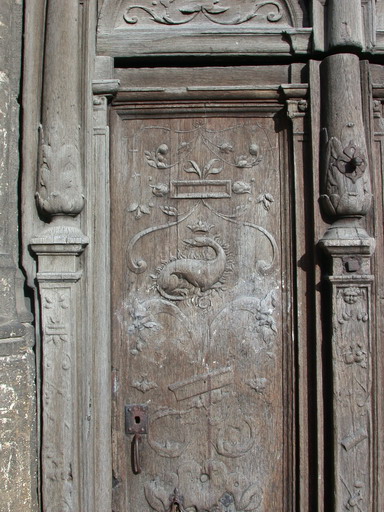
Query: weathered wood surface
[346, 198]
[345, 24]
[250, 27]
[59, 186]
[201, 305]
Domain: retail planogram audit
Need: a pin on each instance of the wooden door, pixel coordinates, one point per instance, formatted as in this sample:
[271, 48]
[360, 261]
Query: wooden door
[203, 316]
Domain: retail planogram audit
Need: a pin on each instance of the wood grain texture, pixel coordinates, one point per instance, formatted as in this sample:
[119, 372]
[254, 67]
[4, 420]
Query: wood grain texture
[172, 28]
[202, 306]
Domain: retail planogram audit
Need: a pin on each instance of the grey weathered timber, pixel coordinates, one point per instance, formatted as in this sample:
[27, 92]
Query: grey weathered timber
[297, 111]
[345, 24]
[145, 28]
[99, 328]
[60, 198]
[59, 187]
[197, 193]
[205, 127]
[346, 198]
[58, 248]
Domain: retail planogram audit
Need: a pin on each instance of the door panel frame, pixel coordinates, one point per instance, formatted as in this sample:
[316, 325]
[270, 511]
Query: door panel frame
[291, 98]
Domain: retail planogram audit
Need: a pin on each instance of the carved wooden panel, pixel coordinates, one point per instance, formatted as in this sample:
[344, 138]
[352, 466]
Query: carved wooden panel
[201, 311]
[131, 27]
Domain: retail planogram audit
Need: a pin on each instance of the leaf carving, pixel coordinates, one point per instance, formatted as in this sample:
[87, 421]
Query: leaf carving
[209, 170]
[169, 210]
[194, 169]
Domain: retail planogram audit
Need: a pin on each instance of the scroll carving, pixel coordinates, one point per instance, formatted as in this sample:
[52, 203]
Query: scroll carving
[166, 12]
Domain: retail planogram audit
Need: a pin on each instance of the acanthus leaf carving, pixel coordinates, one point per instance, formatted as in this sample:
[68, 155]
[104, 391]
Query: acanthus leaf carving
[59, 189]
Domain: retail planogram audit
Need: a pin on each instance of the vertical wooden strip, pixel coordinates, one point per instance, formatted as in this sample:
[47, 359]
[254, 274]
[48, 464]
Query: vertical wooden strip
[101, 326]
[296, 110]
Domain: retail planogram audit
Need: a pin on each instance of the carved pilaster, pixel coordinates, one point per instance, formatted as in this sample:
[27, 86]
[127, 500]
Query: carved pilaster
[346, 198]
[351, 350]
[297, 112]
[98, 260]
[58, 248]
[59, 187]
[59, 197]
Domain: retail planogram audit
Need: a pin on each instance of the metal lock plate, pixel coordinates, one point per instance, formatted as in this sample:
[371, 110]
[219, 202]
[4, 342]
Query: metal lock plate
[136, 419]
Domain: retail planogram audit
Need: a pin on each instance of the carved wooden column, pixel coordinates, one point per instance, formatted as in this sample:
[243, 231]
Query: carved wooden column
[60, 199]
[346, 199]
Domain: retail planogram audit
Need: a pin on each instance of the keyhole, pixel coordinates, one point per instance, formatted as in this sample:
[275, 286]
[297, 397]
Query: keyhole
[137, 419]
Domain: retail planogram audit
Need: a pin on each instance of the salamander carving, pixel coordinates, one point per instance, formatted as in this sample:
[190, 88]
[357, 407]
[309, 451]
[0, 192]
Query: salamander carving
[178, 279]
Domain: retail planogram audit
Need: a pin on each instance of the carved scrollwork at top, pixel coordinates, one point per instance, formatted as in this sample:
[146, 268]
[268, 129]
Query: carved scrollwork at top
[346, 186]
[167, 12]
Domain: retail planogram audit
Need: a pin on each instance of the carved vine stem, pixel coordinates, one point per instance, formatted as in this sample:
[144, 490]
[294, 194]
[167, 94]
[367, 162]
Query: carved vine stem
[140, 266]
[263, 265]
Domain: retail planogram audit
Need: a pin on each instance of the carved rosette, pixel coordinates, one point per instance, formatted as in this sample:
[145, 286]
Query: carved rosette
[346, 187]
[345, 164]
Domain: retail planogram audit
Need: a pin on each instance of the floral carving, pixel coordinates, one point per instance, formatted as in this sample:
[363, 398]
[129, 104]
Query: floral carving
[140, 209]
[222, 151]
[142, 321]
[346, 182]
[144, 384]
[206, 171]
[266, 200]
[160, 189]
[350, 161]
[158, 158]
[165, 12]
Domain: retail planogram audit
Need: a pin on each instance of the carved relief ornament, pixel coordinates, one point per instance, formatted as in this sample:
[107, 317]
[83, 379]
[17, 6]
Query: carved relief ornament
[346, 186]
[59, 188]
[170, 12]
